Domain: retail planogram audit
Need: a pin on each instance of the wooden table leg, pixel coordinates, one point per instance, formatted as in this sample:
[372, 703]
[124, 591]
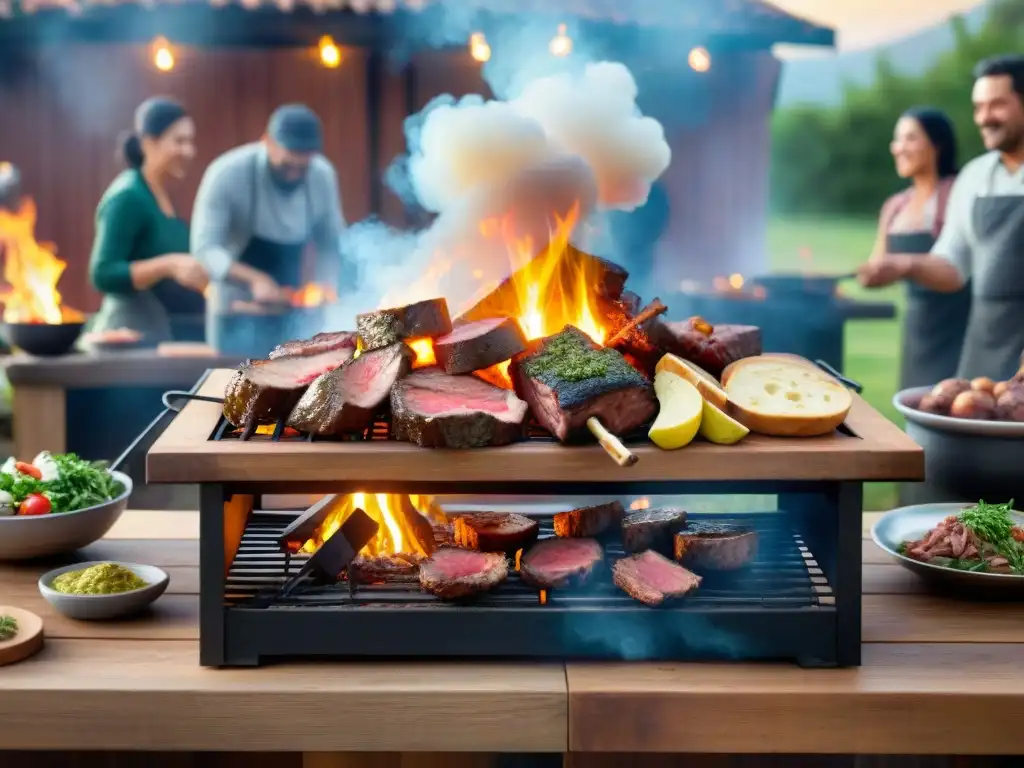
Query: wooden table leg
[40, 420]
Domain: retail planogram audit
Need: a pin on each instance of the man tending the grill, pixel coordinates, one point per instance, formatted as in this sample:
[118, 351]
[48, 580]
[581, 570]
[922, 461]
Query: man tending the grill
[983, 236]
[258, 208]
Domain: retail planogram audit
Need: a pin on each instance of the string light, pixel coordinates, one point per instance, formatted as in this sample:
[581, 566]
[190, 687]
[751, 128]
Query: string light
[330, 54]
[478, 47]
[699, 59]
[163, 56]
[561, 43]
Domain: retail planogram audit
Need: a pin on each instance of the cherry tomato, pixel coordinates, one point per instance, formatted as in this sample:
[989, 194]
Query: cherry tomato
[28, 469]
[35, 504]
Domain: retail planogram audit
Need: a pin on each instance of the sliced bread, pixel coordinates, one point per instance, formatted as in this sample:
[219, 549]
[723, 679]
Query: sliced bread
[729, 369]
[786, 398]
[705, 383]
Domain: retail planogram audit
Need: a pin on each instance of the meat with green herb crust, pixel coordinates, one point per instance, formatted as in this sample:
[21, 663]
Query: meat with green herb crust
[567, 378]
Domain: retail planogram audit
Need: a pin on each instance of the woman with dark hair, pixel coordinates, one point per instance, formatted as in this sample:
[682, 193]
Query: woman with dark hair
[924, 150]
[140, 259]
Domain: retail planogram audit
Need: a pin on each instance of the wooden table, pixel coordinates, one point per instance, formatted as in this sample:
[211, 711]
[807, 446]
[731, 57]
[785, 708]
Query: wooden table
[939, 677]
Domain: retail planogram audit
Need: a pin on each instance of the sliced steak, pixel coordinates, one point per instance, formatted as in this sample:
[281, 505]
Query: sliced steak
[322, 342]
[588, 521]
[385, 569]
[495, 531]
[435, 410]
[263, 391]
[555, 563]
[710, 347]
[424, 319]
[453, 573]
[475, 346]
[347, 398]
[715, 546]
[652, 529]
[567, 378]
[652, 578]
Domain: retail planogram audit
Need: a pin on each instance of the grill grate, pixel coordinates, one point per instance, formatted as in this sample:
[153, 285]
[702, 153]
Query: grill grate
[784, 575]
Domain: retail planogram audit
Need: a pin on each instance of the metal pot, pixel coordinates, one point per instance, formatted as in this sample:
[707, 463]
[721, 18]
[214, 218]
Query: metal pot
[804, 284]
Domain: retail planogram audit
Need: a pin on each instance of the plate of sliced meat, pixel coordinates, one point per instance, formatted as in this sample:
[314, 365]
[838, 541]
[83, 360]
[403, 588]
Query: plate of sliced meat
[975, 547]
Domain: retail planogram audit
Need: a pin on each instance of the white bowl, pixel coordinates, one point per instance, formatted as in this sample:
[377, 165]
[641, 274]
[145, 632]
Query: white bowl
[24, 538]
[978, 427]
[100, 607]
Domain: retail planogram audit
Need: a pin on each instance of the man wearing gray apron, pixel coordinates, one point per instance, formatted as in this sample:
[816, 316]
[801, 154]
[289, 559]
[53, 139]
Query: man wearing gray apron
[983, 238]
[257, 209]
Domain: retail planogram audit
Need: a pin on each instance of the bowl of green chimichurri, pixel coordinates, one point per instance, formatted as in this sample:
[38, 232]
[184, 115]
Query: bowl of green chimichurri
[102, 589]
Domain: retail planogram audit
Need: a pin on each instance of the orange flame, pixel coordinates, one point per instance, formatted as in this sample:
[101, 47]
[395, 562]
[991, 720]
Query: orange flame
[312, 295]
[32, 271]
[424, 349]
[404, 523]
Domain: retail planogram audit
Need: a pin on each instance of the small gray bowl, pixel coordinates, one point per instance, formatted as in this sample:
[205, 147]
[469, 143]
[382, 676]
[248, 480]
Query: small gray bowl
[25, 538]
[103, 607]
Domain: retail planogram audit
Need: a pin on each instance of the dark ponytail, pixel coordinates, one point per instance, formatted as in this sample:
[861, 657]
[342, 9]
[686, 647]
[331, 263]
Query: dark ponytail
[938, 127]
[153, 118]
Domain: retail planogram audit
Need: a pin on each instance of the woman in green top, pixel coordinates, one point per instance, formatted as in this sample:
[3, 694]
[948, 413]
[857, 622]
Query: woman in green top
[140, 260]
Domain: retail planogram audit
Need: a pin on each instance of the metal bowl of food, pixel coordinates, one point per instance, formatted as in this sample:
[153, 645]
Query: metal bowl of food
[108, 593]
[42, 339]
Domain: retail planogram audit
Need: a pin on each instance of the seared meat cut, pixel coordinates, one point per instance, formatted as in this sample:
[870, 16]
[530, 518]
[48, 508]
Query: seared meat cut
[424, 319]
[554, 563]
[435, 410]
[475, 346]
[494, 531]
[452, 573]
[652, 529]
[710, 347]
[322, 342]
[385, 569]
[346, 399]
[588, 521]
[263, 391]
[567, 378]
[652, 578]
[715, 546]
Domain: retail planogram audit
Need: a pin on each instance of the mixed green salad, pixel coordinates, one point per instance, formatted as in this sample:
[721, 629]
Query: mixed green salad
[54, 483]
[983, 538]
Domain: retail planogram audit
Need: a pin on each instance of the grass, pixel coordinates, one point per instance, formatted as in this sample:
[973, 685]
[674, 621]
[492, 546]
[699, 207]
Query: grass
[872, 346]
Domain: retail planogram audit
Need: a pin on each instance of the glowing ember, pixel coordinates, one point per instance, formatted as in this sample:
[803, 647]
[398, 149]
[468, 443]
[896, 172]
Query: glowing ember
[542, 596]
[269, 429]
[32, 271]
[404, 523]
[311, 295]
[639, 504]
[424, 349]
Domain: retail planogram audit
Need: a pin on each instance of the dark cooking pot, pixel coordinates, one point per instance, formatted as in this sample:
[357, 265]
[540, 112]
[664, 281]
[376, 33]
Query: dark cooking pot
[797, 283]
[42, 339]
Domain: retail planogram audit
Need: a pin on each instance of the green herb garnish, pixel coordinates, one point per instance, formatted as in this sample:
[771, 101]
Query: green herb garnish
[8, 627]
[570, 356]
[993, 524]
[80, 484]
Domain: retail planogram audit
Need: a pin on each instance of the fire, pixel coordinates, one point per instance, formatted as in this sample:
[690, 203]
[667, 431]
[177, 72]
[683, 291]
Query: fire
[639, 504]
[32, 271]
[404, 523]
[424, 349]
[311, 295]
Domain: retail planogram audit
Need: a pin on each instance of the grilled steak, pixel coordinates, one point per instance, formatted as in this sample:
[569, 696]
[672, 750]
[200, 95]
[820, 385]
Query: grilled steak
[322, 342]
[435, 410]
[424, 319]
[453, 573]
[567, 378]
[385, 569]
[554, 563]
[710, 347]
[263, 391]
[652, 529]
[652, 578]
[475, 346]
[346, 399]
[494, 531]
[715, 547]
[588, 521]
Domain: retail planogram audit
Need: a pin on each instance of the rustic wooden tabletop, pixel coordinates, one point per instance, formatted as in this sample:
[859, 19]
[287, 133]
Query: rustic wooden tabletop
[137, 685]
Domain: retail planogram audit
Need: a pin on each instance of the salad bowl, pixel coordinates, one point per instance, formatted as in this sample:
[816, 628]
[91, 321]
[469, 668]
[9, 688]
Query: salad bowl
[28, 537]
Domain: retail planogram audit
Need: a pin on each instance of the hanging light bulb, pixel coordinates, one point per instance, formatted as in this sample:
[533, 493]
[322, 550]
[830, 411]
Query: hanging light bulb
[561, 43]
[699, 59]
[478, 47]
[163, 56]
[330, 53]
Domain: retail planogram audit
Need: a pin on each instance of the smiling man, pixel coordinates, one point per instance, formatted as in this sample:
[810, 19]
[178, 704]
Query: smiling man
[983, 238]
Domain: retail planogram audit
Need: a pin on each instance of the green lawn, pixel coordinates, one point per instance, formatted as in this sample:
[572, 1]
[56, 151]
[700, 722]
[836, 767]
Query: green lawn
[872, 346]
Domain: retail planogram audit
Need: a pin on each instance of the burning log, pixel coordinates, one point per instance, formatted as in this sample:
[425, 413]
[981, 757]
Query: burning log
[634, 327]
[336, 553]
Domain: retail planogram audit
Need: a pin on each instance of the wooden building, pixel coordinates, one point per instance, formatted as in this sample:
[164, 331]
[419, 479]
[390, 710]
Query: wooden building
[70, 79]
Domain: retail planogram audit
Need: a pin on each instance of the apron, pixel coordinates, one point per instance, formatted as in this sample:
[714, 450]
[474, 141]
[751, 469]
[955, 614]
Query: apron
[141, 311]
[934, 325]
[995, 332]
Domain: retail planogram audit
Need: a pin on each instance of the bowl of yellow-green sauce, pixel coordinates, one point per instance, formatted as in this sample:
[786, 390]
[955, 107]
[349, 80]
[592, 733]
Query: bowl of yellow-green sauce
[103, 589]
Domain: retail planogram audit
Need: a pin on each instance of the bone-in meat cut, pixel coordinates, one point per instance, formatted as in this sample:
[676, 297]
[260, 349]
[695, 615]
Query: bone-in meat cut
[424, 319]
[452, 573]
[710, 347]
[435, 410]
[652, 529]
[554, 563]
[478, 345]
[652, 579]
[588, 521]
[494, 531]
[264, 391]
[346, 399]
[567, 378]
[715, 546]
[321, 342]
